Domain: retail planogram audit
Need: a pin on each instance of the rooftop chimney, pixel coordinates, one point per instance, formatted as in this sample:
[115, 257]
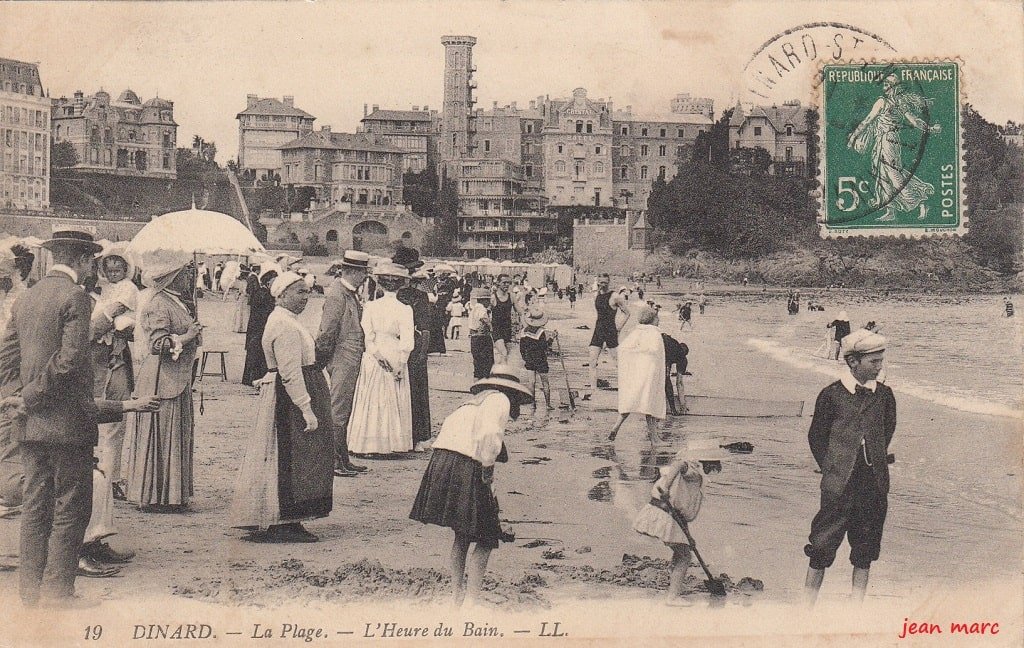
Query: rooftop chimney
[366, 110]
[426, 108]
[495, 106]
[250, 101]
[79, 102]
[376, 107]
[415, 108]
[533, 104]
[514, 106]
[325, 129]
[289, 101]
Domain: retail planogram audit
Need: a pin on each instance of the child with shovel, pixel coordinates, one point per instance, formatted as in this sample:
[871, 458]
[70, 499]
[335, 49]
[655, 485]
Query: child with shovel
[675, 502]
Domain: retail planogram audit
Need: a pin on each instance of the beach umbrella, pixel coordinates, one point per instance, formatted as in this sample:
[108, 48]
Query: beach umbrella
[194, 231]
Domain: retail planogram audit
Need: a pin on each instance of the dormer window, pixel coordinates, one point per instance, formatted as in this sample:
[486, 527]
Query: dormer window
[789, 130]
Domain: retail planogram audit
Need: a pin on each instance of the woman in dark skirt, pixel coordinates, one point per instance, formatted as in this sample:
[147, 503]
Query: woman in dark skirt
[456, 488]
[419, 385]
[288, 472]
[261, 305]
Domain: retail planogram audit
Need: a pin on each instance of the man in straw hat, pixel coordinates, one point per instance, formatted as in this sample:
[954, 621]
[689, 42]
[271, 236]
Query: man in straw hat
[45, 355]
[339, 349]
[854, 421]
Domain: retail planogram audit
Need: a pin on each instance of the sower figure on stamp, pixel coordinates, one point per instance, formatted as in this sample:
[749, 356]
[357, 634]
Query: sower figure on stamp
[339, 348]
[45, 356]
[896, 186]
[854, 420]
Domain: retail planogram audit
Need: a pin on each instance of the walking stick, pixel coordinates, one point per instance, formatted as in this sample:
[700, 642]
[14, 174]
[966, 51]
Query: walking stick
[565, 373]
[715, 586]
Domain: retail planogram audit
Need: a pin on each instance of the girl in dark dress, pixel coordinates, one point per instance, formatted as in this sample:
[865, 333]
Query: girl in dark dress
[533, 346]
[261, 305]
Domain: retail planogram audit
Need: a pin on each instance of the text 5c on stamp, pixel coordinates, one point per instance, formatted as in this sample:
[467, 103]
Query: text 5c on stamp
[891, 149]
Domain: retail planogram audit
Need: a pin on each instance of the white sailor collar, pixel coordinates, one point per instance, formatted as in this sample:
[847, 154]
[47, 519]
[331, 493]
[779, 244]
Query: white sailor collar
[850, 383]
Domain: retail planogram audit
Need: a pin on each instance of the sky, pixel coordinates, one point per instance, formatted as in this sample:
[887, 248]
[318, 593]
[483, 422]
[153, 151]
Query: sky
[334, 57]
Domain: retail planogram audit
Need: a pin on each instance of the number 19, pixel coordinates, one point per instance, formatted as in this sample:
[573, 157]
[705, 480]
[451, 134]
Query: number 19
[92, 633]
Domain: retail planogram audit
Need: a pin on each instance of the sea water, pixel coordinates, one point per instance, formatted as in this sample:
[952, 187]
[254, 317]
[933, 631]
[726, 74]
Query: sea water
[959, 352]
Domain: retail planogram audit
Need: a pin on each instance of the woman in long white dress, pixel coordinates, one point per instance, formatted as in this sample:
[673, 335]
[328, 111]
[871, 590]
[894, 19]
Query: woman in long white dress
[642, 374]
[381, 421]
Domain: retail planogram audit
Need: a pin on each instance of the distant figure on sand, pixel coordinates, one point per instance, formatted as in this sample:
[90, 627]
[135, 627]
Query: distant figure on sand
[533, 346]
[606, 330]
[642, 374]
[841, 328]
[455, 491]
[1008, 306]
[853, 424]
[675, 356]
[478, 321]
[685, 313]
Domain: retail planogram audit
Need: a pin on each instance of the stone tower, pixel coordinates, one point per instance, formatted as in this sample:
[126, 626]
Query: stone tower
[457, 119]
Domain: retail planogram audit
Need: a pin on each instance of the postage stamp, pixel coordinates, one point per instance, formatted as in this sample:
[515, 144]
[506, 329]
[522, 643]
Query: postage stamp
[891, 149]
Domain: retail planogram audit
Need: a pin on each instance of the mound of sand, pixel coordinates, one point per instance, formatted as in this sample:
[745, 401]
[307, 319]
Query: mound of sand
[366, 580]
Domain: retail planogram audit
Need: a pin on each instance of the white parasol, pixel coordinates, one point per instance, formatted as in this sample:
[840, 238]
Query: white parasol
[194, 231]
[187, 233]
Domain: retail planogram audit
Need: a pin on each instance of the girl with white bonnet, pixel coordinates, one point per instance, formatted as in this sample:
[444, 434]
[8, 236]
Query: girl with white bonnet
[455, 491]
[381, 420]
[288, 471]
[113, 325]
[642, 374]
[679, 487]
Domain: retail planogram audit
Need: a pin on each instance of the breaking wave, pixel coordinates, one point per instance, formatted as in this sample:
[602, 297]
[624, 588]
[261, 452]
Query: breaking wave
[940, 395]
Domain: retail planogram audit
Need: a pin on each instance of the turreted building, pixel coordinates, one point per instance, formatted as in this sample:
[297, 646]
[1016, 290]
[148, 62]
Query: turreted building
[125, 136]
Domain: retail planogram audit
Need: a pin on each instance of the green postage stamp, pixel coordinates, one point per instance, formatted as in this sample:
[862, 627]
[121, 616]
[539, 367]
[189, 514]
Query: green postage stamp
[891, 149]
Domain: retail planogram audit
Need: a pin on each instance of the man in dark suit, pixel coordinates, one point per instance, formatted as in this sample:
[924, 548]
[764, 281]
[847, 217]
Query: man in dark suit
[854, 421]
[45, 356]
[339, 348]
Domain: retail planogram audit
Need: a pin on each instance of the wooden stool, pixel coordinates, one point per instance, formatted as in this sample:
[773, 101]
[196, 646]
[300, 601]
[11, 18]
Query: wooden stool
[223, 373]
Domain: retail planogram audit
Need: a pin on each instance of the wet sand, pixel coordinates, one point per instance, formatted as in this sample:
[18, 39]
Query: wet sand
[954, 520]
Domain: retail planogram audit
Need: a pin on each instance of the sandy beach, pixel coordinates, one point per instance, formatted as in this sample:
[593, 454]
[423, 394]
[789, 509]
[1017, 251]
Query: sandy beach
[953, 530]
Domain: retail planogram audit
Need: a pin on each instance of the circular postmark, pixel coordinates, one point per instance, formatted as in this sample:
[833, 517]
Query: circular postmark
[783, 68]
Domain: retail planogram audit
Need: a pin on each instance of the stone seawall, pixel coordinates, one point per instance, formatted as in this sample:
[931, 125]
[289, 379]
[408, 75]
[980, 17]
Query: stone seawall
[604, 247]
[42, 226]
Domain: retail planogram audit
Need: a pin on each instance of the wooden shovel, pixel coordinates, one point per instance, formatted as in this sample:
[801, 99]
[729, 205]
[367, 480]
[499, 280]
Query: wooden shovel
[715, 586]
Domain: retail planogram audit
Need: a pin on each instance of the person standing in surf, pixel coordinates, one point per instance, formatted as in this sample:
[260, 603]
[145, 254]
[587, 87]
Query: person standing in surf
[606, 330]
[853, 424]
[840, 328]
[503, 302]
